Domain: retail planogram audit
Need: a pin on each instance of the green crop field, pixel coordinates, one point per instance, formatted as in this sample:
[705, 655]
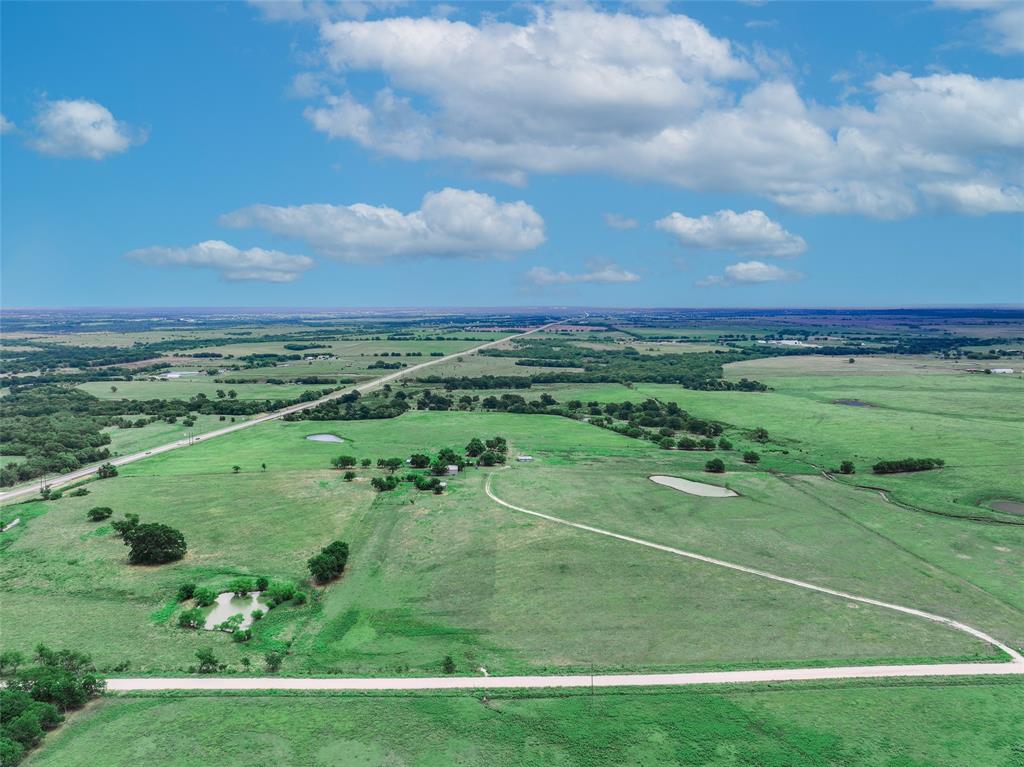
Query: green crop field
[919, 725]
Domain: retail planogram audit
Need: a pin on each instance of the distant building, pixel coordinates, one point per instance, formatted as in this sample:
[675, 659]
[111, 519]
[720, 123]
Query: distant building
[524, 458]
[1002, 370]
[451, 470]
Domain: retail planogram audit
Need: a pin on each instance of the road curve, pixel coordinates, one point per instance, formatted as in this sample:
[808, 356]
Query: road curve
[154, 684]
[63, 479]
[1016, 659]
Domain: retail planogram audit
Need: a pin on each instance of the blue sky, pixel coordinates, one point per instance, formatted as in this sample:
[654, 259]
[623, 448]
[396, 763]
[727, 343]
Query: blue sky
[356, 154]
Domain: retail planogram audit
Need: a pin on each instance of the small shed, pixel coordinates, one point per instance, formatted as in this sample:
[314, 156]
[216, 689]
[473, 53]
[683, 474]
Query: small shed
[451, 470]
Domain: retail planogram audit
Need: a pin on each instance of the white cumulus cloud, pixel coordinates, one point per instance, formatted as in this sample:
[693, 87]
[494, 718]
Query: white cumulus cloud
[580, 89]
[1002, 22]
[451, 222]
[6, 126]
[602, 272]
[81, 128]
[231, 263]
[749, 233]
[750, 272]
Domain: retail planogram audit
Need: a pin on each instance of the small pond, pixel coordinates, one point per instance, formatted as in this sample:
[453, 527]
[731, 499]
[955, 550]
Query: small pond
[228, 604]
[694, 488]
[324, 438]
[1008, 507]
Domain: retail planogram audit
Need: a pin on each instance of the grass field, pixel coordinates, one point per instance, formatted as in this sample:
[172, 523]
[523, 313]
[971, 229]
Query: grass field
[457, 575]
[185, 388]
[919, 725]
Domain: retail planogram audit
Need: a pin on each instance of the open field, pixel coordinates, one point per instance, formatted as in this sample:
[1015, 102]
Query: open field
[912, 725]
[974, 423]
[126, 441]
[869, 365]
[186, 388]
[457, 575]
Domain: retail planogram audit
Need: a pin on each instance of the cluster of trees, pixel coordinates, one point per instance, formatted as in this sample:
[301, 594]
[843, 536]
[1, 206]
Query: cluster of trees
[382, 365]
[907, 464]
[59, 428]
[34, 698]
[478, 451]
[329, 563]
[352, 406]
[149, 543]
[701, 370]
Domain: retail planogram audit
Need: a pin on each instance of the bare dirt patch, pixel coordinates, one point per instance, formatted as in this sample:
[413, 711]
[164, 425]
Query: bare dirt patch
[690, 487]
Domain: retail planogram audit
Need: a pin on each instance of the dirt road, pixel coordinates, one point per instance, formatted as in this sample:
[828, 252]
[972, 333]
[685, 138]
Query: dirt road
[1016, 659]
[141, 684]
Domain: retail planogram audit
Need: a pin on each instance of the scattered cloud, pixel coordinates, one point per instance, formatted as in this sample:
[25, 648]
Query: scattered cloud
[578, 88]
[616, 221]
[81, 128]
[761, 23]
[1002, 22]
[6, 126]
[449, 223]
[748, 233]
[750, 273]
[602, 272]
[977, 198]
[231, 264]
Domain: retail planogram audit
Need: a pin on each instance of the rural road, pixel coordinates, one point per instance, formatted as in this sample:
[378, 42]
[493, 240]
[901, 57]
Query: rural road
[33, 487]
[144, 684]
[214, 683]
[1016, 659]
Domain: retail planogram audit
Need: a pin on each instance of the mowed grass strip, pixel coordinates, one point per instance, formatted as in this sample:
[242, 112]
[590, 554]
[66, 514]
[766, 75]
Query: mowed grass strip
[933, 725]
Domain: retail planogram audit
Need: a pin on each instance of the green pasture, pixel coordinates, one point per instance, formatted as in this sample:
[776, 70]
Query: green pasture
[458, 575]
[927, 724]
[186, 388]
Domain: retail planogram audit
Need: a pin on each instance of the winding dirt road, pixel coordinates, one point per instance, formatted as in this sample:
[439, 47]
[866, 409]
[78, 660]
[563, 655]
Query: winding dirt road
[1016, 659]
[32, 488]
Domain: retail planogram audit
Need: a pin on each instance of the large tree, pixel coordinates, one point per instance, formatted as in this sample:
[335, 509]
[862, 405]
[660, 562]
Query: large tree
[155, 544]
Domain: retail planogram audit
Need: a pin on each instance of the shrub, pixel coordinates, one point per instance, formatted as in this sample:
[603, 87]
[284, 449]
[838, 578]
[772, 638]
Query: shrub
[191, 618]
[383, 484]
[907, 464]
[231, 624]
[155, 544]
[208, 662]
[106, 471]
[300, 597]
[273, 659]
[125, 527]
[78, 492]
[419, 461]
[261, 584]
[724, 444]
[666, 443]
[186, 591]
[687, 443]
[751, 457]
[330, 562]
[344, 461]
[846, 467]
[241, 635]
[761, 434]
[204, 596]
[715, 466]
[278, 592]
[448, 665]
[241, 586]
[257, 615]
[349, 476]
[99, 513]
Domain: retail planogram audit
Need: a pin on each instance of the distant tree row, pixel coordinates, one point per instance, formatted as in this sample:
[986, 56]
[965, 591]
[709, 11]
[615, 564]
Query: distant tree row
[907, 464]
